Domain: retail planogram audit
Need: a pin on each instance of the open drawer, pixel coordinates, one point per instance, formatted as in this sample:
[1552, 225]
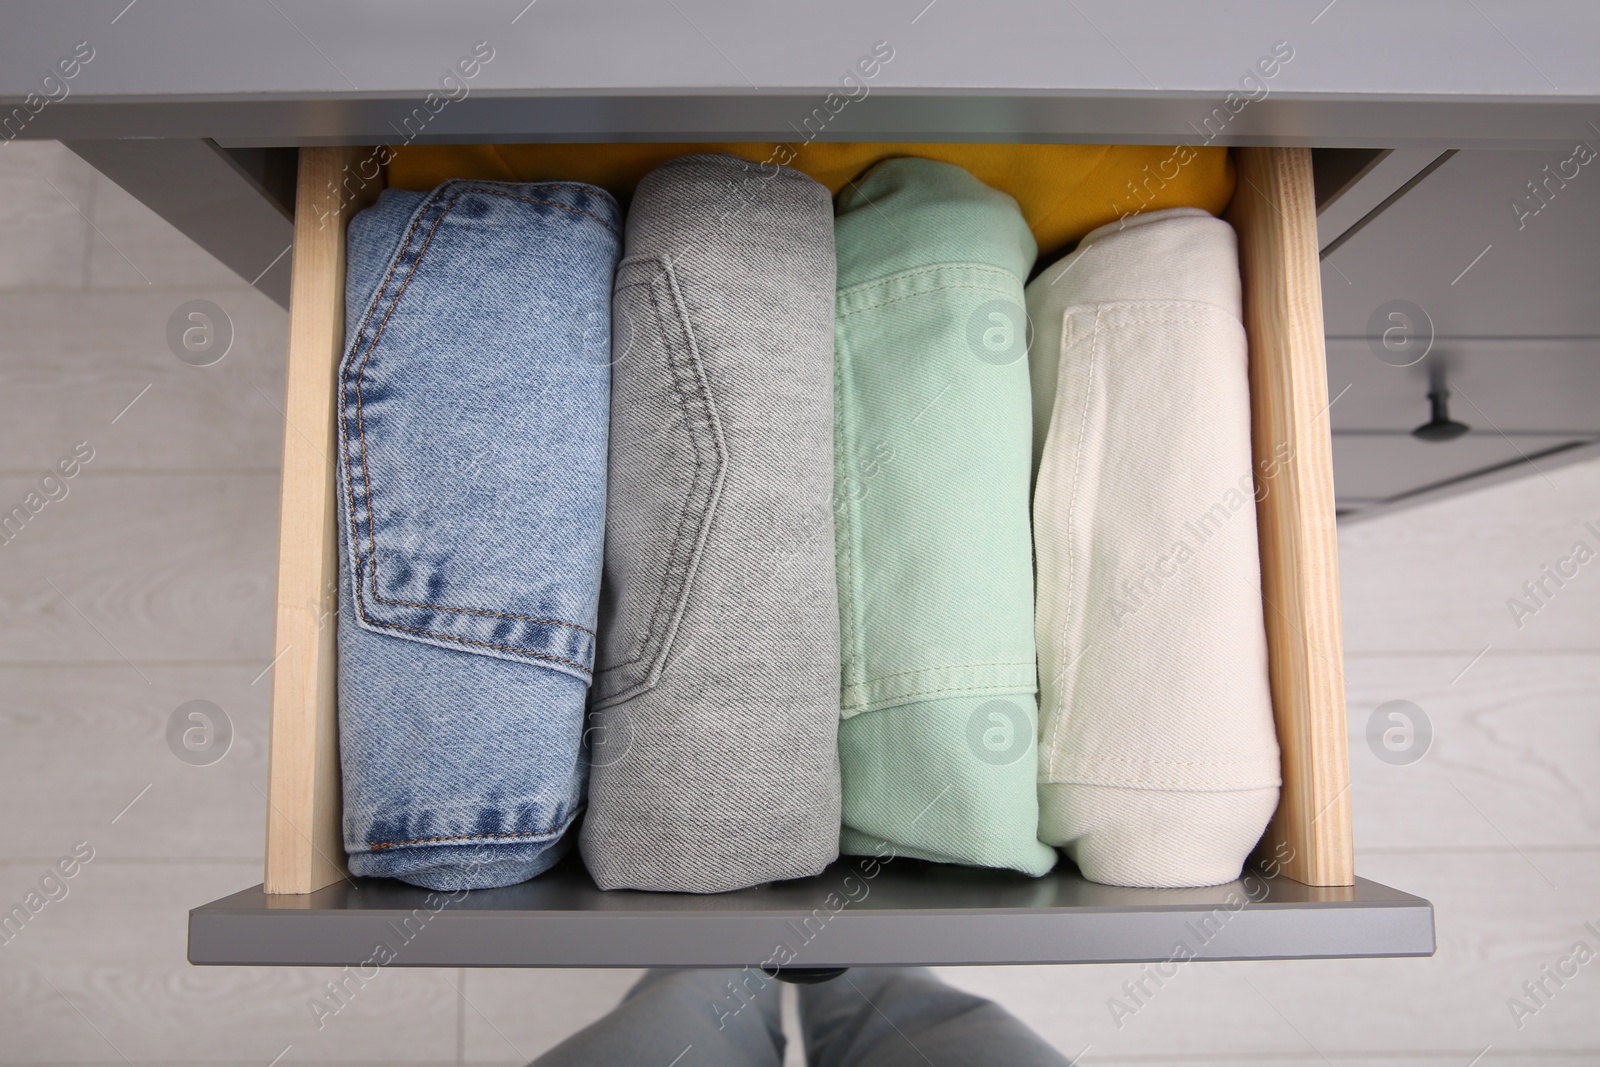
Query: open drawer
[1305, 901]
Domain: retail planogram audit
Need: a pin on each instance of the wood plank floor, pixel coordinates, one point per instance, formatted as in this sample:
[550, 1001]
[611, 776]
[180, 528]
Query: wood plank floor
[149, 585]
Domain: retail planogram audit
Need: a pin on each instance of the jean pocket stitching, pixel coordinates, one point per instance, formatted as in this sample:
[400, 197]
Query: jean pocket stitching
[924, 281]
[362, 566]
[380, 846]
[692, 388]
[668, 583]
[1065, 635]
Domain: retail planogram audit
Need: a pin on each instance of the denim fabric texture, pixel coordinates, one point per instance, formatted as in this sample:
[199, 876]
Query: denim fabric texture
[715, 762]
[473, 409]
[937, 740]
[868, 1017]
[1159, 762]
[721, 1018]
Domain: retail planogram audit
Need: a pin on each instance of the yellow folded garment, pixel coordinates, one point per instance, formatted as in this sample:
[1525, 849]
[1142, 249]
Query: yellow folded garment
[1064, 190]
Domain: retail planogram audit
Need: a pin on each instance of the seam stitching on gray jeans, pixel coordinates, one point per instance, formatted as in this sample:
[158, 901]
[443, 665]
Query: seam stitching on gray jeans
[690, 387]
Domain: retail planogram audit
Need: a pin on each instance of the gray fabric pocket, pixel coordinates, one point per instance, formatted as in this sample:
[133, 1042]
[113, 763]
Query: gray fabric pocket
[668, 462]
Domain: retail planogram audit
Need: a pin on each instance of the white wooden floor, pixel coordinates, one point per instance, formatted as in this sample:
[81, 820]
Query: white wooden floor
[149, 584]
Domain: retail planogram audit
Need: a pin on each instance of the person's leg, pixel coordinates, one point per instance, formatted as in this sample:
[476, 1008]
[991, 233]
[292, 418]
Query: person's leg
[906, 1017]
[721, 1018]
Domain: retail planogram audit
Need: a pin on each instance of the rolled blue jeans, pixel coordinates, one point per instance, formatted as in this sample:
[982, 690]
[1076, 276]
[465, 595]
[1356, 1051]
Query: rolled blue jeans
[473, 404]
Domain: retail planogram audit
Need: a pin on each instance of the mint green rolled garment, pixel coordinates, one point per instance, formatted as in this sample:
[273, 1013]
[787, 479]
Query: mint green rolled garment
[933, 448]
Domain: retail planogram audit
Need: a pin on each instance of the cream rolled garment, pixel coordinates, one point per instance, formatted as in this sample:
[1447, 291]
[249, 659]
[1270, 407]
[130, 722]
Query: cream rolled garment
[1158, 759]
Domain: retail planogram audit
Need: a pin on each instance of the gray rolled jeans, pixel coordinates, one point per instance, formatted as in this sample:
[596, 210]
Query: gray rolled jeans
[714, 712]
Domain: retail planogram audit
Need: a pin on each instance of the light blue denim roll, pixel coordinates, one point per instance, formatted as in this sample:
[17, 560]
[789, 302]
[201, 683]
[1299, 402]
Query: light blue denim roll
[473, 409]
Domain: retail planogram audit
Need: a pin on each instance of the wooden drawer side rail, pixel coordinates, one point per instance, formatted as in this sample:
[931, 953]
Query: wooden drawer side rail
[305, 848]
[1274, 212]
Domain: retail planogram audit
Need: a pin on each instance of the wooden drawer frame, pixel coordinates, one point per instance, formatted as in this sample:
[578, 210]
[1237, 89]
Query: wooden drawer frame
[1274, 212]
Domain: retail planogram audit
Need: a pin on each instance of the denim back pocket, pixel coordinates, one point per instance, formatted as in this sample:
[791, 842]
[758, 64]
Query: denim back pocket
[668, 462]
[1151, 643]
[473, 425]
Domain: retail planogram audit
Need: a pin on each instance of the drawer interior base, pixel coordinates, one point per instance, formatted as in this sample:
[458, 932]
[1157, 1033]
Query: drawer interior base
[902, 912]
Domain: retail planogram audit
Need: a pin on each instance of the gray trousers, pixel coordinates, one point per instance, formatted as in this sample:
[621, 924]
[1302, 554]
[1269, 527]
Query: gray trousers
[883, 1017]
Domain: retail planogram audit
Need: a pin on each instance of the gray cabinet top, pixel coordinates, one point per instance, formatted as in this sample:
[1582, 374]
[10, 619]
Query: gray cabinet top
[1458, 73]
